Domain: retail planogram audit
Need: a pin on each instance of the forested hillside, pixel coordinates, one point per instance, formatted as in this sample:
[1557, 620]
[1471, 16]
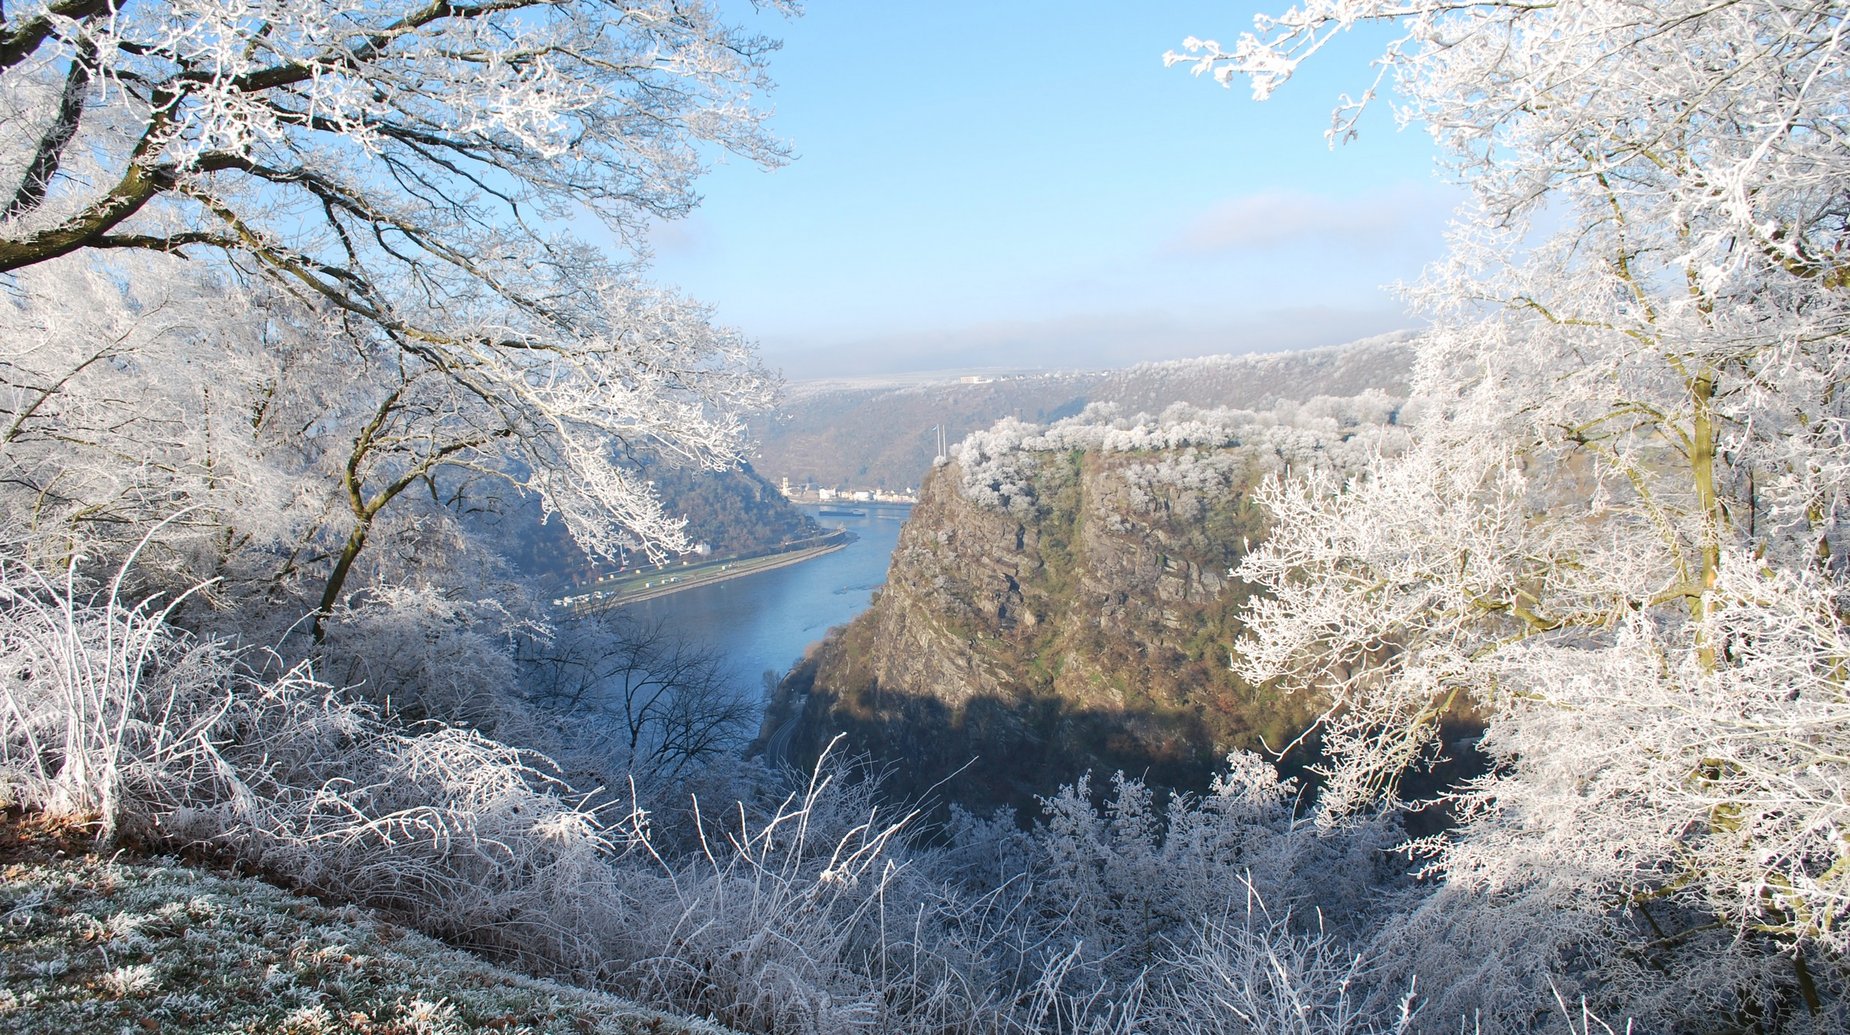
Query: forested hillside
[878, 435]
[734, 511]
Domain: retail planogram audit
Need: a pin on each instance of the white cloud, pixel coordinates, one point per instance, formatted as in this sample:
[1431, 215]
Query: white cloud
[1388, 219]
[681, 238]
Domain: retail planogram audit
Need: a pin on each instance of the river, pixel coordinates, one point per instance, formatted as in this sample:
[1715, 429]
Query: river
[763, 623]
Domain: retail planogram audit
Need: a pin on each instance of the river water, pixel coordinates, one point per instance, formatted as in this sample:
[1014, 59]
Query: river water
[763, 623]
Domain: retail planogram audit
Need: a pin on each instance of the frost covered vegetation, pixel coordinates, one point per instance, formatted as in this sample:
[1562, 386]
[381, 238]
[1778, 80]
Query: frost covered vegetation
[282, 299]
[814, 912]
[1333, 435]
[95, 945]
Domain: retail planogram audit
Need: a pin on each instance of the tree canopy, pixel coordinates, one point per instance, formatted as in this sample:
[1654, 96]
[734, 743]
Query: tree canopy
[1620, 537]
[403, 242]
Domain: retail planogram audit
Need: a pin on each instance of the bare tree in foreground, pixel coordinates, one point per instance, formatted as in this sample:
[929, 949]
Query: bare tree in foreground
[656, 704]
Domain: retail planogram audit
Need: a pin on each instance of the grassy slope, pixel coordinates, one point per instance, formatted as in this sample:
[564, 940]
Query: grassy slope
[89, 944]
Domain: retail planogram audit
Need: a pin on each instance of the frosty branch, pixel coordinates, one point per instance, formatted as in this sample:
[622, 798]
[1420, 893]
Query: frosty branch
[1634, 449]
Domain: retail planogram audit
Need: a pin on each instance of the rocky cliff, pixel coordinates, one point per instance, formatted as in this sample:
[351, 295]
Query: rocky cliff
[1061, 599]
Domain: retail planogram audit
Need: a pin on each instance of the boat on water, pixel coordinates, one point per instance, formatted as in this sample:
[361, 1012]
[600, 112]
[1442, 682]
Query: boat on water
[840, 512]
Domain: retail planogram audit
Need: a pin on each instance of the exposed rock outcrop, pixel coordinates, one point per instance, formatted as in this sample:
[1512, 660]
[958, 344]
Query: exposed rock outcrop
[1062, 599]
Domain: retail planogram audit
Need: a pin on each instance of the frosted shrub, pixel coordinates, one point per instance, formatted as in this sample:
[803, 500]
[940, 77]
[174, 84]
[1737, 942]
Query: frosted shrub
[997, 472]
[1105, 916]
[465, 837]
[422, 651]
[109, 713]
[1136, 877]
[104, 710]
[811, 919]
[999, 464]
[1256, 972]
[820, 916]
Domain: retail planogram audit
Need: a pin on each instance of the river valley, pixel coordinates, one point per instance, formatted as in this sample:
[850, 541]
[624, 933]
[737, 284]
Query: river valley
[763, 623]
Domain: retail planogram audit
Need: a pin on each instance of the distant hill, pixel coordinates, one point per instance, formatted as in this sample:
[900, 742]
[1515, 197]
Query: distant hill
[878, 433]
[1258, 382]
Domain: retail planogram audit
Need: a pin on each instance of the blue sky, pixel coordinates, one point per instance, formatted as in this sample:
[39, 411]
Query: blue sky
[1021, 183]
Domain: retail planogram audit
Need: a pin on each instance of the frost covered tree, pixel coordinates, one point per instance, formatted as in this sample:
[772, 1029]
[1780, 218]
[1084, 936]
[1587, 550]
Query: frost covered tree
[400, 174]
[351, 144]
[1619, 538]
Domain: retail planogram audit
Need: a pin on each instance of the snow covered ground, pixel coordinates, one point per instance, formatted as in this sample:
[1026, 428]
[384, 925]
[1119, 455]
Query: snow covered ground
[92, 944]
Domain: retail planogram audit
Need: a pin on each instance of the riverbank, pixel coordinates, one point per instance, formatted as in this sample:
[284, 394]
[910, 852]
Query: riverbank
[763, 624]
[635, 587]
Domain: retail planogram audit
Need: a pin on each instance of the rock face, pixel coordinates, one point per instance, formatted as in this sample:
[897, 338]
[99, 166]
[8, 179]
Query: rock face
[1082, 623]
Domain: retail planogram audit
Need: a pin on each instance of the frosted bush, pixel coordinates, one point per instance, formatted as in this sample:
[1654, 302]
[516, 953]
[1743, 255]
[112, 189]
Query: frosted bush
[998, 465]
[1252, 971]
[103, 708]
[108, 713]
[424, 652]
[1192, 471]
[1133, 875]
[823, 910]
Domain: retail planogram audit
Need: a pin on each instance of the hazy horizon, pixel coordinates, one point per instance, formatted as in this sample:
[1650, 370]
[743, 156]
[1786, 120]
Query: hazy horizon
[1063, 201]
[1048, 348]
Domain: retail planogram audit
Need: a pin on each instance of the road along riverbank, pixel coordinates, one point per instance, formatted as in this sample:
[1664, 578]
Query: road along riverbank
[650, 584]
